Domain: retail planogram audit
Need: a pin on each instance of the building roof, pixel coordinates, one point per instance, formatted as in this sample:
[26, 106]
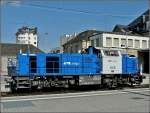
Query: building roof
[85, 34]
[25, 29]
[139, 19]
[11, 49]
[118, 33]
[131, 28]
[126, 33]
[121, 28]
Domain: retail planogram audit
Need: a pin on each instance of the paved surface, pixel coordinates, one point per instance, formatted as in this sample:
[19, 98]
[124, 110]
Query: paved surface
[147, 79]
[135, 100]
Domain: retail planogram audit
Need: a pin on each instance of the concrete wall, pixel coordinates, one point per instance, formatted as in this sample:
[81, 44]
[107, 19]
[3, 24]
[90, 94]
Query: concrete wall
[147, 79]
[4, 61]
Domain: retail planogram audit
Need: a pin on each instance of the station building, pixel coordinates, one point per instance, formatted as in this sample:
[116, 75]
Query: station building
[125, 42]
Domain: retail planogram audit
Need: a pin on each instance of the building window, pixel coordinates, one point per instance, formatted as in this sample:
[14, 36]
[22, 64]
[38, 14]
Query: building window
[84, 44]
[108, 41]
[92, 43]
[147, 25]
[137, 44]
[97, 42]
[123, 42]
[116, 42]
[144, 44]
[23, 41]
[130, 43]
[88, 44]
[35, 38]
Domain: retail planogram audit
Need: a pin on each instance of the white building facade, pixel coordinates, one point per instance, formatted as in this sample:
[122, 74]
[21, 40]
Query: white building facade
[27, 35]
[127, 43]
[119, 41]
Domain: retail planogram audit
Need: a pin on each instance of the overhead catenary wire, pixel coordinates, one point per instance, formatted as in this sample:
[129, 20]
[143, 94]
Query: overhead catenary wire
[71, 10]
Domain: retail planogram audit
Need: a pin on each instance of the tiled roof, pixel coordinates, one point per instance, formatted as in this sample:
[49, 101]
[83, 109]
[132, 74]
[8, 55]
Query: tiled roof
[122, 28]
[139, 19]
[14, 49]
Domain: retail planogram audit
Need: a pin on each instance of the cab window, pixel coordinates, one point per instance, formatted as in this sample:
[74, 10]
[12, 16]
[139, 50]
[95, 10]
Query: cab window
[111, 53]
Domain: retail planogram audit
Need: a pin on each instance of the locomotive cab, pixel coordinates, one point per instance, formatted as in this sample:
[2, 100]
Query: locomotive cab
[111, 61]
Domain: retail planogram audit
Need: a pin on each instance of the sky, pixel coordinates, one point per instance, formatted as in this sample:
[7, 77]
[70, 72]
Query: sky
[54, 18]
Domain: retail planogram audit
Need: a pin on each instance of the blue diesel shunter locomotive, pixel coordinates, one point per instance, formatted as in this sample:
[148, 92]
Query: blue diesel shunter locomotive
[94, 67]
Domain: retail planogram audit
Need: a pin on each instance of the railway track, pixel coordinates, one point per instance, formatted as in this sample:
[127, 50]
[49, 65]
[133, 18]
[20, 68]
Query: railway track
[62, 90]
